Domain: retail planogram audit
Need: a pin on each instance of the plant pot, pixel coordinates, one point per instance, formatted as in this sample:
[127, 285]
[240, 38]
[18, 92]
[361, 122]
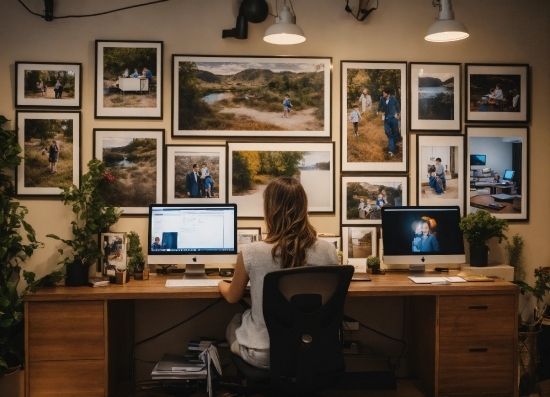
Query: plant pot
[13, 384]
[479, 255]
[76, 274]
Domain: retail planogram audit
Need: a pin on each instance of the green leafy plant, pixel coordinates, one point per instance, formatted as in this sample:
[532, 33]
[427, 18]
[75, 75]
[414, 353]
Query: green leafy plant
[515, 256]
[373, 262]
[93, 215]
[13, 252]
[539, 290]
[478, 228]
[136, 262]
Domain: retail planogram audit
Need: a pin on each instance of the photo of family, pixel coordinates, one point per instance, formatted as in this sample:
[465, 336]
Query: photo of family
[230, 96]
[113, 248]
[374, 116]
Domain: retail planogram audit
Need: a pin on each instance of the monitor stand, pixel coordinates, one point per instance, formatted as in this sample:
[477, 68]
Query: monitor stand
[417, 268]
[195, 271]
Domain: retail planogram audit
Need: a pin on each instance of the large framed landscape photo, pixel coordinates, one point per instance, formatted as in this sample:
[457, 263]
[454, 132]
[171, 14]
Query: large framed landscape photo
[128, 79]
[134, 158]
[374, 134]
[252, 165]
[435, 96]
[497, 92]
[211, 181]
[251, 97]
[48, 85]
[51, 152]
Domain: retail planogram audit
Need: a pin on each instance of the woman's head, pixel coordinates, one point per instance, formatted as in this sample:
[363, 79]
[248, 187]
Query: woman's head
[288, 227]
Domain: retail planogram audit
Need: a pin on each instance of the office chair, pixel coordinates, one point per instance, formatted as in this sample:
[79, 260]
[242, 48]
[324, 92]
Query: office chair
[303, 310]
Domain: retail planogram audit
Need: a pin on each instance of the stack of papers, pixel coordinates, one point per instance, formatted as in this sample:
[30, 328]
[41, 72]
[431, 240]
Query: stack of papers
[436, 280]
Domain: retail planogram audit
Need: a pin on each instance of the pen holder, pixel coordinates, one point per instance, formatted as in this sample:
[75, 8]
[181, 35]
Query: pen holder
[121, 277]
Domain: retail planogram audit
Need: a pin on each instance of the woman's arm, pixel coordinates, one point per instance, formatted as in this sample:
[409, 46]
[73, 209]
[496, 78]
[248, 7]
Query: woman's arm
[234, 291]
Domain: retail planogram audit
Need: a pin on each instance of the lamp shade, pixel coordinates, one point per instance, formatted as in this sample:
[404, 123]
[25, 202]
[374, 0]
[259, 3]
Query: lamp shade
[446, 30]
[284, 31]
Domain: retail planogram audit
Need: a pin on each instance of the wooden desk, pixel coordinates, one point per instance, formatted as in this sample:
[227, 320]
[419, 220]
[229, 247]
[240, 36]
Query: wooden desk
[463, 336]
[483, 200]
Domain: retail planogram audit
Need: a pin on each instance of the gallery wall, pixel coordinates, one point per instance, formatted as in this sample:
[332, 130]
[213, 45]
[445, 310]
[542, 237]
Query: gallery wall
[501, 31]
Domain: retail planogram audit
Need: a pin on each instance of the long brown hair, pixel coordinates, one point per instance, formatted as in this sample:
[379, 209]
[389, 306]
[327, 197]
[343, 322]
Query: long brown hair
[288, 227]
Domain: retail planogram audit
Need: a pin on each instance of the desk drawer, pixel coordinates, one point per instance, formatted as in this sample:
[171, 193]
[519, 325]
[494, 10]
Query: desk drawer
[476, 365]
[477, 315]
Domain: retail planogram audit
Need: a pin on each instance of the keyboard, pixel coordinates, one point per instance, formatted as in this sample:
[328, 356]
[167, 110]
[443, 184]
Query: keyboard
[189, 282]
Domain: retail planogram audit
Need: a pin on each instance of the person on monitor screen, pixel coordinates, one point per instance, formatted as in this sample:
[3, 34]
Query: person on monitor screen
[424, 240]
[192, 180]
[291, 242]
[156, 244]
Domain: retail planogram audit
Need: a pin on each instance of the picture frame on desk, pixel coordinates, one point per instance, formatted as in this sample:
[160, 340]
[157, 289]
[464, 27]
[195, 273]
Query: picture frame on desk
[435, 96]
[113, 248]
[179, 163]
[334, 240]
[47, 168]
[506, 148]
[48, 85]
[120, 94]
[371, 149]
[358, 243]
[242, 96]
[360, 194]
[510, 101]
[450, 149]
[251, 165]
[248, 235]
[134, 158]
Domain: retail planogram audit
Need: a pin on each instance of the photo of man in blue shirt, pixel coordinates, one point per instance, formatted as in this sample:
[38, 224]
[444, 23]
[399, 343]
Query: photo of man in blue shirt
[390, 106]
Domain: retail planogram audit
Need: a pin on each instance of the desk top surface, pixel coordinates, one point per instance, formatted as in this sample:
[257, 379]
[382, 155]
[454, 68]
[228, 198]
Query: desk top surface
[390, 284]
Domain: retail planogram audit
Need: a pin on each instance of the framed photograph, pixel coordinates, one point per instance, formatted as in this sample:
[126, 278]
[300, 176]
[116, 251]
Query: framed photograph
[358, 244]
[374, 116]
[253, 97]
[252, 165]
[128, 79]
[440, 170]
[51, 152]
[247, 235]
[113, 248]
[434, 96]
[364, 196]
[134, 158]
[496, 92]
[499, 171]
[48, 85]
[335, 240]
[211, 173]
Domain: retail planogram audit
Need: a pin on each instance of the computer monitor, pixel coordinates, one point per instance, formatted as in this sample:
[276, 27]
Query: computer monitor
[419, 236]
[508, 175]
[478, 159]
[192, 234]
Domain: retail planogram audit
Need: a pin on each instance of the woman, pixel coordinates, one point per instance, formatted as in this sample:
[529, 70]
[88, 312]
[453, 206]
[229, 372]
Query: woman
[54, 153]
[291, 242]
[424, 240]
[366, 101]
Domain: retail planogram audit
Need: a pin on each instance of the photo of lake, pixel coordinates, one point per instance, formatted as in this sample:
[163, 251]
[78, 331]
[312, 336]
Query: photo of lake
[436, 96]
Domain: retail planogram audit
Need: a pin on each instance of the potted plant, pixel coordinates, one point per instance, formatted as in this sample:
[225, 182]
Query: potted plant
[373, 263]
[92, 216]
[13, 252]
[136, 261]
[478, 228]
[515, 256]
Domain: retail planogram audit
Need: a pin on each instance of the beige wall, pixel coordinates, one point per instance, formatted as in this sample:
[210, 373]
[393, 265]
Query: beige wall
[501, 31]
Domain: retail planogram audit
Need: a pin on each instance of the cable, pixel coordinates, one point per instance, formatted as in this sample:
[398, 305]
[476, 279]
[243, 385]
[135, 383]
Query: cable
[93, 15]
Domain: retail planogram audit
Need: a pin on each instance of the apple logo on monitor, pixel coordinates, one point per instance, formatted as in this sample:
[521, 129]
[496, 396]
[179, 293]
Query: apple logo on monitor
[194, 259]
[423, 259]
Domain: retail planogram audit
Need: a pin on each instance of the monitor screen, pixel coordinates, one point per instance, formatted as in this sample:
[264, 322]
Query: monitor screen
[508, 175]
[192, 233]
[478, 159]
[422, 235]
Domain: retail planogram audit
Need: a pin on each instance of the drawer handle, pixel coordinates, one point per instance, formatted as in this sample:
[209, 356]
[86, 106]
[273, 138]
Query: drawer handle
[478, 307]
[478, 350]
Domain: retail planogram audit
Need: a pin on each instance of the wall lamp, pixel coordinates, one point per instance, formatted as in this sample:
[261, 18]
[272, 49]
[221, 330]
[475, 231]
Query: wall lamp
[446, 28]
[254, 11]
[285, 31]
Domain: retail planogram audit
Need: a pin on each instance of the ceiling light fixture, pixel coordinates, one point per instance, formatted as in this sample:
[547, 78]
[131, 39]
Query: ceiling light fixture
[446, 28]
[285, 31]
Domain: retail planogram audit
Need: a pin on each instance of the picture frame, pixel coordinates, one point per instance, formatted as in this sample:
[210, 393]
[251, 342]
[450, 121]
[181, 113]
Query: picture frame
[179, 161]
[512, 104]
[450, 150]
[114, 255]
[248, 235]
[138, 96]
[370, 149]
[36, 131]
[505, 149]
[359, 201]
[334, 240]
[358, 243]
[134, 157]
[36, 85]
[435, 96]
[314, 159]
[202, 105]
